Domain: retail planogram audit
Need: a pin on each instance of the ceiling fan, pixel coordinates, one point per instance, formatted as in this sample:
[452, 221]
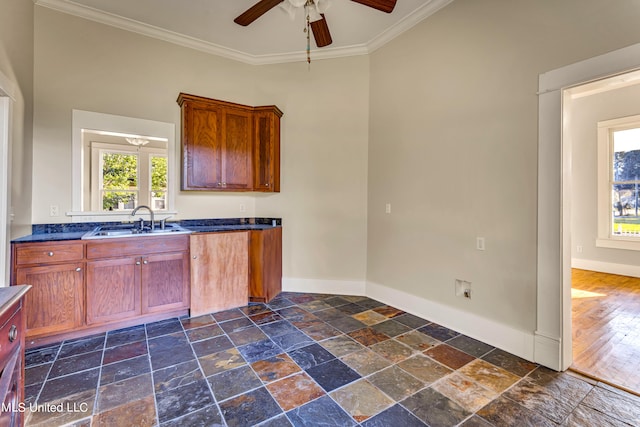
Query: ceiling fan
[314, 12]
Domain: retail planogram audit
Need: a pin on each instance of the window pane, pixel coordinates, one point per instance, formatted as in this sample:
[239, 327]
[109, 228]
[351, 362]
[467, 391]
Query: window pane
[119, 172]
[158, 182]
[119, 200]
[626, 155]
[625, 190]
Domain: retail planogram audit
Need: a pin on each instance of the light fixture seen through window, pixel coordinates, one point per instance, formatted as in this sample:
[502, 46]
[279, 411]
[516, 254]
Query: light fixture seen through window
[137, 141]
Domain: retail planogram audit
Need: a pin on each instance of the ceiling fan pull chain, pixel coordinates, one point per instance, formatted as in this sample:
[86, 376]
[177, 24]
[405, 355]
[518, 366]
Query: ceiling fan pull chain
[308, 31]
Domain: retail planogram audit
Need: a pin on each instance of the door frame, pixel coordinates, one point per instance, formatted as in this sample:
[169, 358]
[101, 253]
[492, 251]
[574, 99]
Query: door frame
[7, 97]
[553, 344]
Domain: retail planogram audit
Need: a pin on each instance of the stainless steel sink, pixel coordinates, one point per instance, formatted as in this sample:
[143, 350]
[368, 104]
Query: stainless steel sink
[131, 230]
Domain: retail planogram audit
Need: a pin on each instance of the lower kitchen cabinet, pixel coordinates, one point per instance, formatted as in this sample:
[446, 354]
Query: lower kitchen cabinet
[135, 276]
[113, 289]
[55, 271]
[265, 257]
[165, 282]
[219, 271]
[56, 300]
[127, 281]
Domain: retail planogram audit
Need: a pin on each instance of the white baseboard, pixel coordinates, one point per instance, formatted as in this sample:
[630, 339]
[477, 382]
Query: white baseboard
[514, 341]
[606, 267]
[322, 286]
[548, 351]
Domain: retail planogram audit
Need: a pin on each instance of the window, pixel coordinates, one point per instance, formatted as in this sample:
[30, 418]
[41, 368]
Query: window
[619, 183]
[124, 177]
[151, 187]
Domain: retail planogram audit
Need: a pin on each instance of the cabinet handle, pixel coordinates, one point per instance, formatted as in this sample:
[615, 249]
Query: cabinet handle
[137, 262]
[267, 184]
[78, 269]
[145, 262]
[13, 333]
[50, 253]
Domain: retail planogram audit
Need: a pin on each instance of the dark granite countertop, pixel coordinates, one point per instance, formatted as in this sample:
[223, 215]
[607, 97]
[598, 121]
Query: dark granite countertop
[75, 231]
[10, 294]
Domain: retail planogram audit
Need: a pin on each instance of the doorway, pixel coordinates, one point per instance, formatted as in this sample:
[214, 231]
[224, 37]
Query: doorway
[4, 188]
[605, 248]
[553, 340]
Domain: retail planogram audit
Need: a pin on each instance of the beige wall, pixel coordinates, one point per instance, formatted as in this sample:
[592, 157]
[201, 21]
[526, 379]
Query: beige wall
[88, 66]
[585, 113]
[453, 146]
[441, 123]
[16, 63]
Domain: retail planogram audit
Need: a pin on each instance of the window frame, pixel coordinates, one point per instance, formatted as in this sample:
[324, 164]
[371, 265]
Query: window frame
[143, 171]
[606, 238]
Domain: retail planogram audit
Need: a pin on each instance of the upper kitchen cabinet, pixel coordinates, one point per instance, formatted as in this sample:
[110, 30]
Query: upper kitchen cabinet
[229, 147]
[266, 150]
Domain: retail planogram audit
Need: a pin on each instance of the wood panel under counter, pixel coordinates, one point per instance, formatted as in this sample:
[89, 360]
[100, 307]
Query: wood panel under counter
[229, 269]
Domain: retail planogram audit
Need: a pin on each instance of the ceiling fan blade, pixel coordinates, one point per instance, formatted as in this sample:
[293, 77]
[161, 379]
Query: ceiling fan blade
[256, 11]
[321, 32]
[381, 5]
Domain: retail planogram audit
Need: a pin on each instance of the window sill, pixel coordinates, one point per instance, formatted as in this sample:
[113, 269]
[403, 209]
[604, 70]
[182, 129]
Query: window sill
[117, 216]
[619, 243]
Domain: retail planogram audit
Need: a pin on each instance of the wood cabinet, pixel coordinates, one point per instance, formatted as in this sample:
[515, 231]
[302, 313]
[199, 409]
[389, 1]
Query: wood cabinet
[229, 147]
[219, 271]
[131, 277]
[127, 281]
[55, 271]
[266, 150]
[12, 344]
[113, 289]
[265, 257]
[165, 282]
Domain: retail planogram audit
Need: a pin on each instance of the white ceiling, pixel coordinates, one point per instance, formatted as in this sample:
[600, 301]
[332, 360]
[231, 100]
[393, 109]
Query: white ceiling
[208, 25]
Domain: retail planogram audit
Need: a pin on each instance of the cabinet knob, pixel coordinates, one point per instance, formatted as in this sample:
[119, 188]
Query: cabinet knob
[78, 269]
[145, 262]
[195, 257]
[137, 262]
[13, 333]
[50, 253]
[267, 184]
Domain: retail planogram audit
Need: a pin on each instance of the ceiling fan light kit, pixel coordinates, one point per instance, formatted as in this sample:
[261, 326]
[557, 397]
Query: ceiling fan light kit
[315, 20]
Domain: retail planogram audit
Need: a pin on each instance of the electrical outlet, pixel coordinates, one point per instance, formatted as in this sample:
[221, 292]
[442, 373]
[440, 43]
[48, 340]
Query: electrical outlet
[463, 288]
[579, 249]
[53, 210]
[243, 207]
[387, 208]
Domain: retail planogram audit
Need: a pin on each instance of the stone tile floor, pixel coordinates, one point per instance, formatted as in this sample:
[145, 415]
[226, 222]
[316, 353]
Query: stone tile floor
[306, 360]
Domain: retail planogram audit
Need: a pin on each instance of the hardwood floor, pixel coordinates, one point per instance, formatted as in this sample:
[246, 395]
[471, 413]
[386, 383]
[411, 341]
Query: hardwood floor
[606, 327]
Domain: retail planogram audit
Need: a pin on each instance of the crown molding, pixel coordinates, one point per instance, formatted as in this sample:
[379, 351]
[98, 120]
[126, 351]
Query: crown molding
[408, 22]
[138, 27]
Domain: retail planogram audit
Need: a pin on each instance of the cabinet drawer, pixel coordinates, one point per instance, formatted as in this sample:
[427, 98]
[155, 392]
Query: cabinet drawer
[41, 253]
[135, 246]
[11, 332]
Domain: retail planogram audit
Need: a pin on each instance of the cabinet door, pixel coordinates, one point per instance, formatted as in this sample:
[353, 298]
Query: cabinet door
[55, 301]
[266, 152]
[236, 150]
[113, 289]
[201, 146]
[266, 264]
[165, 282]
[219, 271]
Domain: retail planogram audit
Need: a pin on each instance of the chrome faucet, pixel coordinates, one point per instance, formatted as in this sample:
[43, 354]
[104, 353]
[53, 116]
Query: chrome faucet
[141, 219]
